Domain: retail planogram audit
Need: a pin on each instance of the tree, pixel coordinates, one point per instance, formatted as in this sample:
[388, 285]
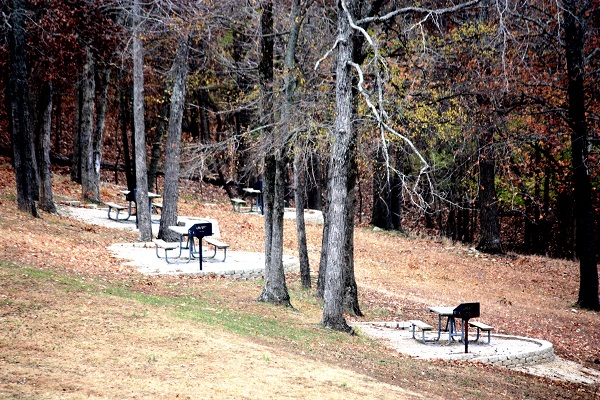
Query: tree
[173, 152]
[141, 181]
[333, 295]
[574, 14]
[20, 118]
[275, 288]
[289, 81]
[90, 189]
[44, 125]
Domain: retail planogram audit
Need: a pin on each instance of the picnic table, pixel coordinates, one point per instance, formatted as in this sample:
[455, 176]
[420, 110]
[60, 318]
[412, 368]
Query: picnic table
[255, 198]
[201, 229]
[464, 312]
[131, 197]
[448, 313]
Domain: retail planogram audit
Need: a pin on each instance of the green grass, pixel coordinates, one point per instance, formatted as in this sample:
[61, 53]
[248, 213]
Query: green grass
[205, 306]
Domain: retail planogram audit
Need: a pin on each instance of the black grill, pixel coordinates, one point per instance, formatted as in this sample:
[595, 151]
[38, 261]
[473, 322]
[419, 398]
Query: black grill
[199, 231]
[466, 311]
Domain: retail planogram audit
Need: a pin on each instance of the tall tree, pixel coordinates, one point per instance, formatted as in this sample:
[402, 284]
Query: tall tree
[44, 125]
[289, 82]
[179, 73]
[575, 13]
[338, 184]
[141, 181]
[89, 190]
[275, 289]
[20, 118]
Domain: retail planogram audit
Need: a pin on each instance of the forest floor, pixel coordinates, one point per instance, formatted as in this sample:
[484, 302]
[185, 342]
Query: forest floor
[77, 322]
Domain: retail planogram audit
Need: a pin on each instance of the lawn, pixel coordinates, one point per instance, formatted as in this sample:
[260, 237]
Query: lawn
[77, 323]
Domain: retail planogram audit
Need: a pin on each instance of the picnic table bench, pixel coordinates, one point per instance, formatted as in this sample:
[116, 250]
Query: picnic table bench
[237, 203]
[423, 326]
[166, 247]
[217, 244]
[482, 327]
[118, 208]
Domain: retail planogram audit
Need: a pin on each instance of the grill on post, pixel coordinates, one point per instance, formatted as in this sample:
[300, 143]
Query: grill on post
[199, 231]
[466, 311]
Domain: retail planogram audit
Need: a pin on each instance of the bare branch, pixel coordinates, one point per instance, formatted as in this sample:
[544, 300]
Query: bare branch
[417, 10]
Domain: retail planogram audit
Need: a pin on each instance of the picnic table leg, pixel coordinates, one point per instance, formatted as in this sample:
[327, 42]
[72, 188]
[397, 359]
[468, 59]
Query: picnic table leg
[439, 327]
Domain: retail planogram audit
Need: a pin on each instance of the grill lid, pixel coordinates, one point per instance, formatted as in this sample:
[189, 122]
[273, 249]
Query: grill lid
[466, 310]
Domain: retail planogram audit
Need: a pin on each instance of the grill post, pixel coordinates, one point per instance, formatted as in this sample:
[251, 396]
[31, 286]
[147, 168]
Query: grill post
[466, 311]
[199, 231]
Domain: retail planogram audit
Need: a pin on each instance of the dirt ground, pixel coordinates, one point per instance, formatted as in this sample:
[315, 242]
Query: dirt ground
[57, 341]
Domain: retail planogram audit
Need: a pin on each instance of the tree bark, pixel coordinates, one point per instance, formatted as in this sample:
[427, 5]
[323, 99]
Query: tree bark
[100, 124]
[124, 123]
[275, 288]
[381, 214]
[141, 177]
[161, 127]
[333, 296]
[173, 153]
[44, 128]
[574, 41]
[299, 199]
[89, 191]
[489, 241]
[296, 19]
[20, 125]
[76, 160]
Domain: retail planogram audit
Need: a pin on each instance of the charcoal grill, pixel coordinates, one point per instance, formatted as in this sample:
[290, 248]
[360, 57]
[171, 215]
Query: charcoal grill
[199, 231]
[466, 311]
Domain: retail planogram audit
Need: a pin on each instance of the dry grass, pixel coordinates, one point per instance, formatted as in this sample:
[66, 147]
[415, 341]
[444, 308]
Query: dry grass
[78, 324]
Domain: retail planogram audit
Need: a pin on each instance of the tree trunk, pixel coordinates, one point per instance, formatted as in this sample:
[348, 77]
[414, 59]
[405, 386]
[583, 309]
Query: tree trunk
[43, 130]
[161, 127]
[89, 191]
[575, 13]
[76, 159]
[299, 174]
[350, 287]
[381, 213]
[102, 102]
[21, 133]
[124, 122]
[324, 247]
[275, 288]
[333, 296]
[141, 177]
[489, 241]
[299, 165]
[173, 154]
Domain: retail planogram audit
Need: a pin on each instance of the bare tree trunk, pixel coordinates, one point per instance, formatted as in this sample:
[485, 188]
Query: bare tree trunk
[275, 289]
[89, 192]
[43, 130]
[124, 121]
[296, 19]
[99, 130]
[574, 16]
[350, 287]
[489, 241]
[141, 177]
[161, 128]
[76, 158]
[299, 174]
[21, 133]
[324, 247]
[382, 191]
[173, 153]
[333, 296]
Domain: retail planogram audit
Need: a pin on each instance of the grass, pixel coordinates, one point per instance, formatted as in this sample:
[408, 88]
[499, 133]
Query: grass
[76, 323]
